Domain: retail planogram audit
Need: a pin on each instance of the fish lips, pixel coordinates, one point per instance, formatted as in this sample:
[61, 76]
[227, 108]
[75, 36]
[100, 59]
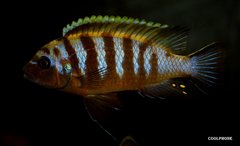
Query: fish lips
[32, 75]
[28, 73]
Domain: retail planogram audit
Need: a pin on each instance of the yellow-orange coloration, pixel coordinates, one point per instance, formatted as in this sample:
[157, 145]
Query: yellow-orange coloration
[182, 86]
[184, 92]
[100, 55]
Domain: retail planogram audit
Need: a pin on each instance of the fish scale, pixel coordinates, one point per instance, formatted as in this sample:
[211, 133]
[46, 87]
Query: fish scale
[100, 56]
[81, 54]
[122, 59]
[110, 54]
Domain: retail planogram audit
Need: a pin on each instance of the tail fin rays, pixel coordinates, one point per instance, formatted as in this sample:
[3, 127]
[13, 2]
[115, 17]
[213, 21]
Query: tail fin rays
[207, 63]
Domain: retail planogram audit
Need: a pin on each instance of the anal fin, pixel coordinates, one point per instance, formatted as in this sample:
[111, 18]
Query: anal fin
[176, 87]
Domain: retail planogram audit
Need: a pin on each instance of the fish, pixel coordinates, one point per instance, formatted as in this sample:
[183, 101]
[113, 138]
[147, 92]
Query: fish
[99, 56]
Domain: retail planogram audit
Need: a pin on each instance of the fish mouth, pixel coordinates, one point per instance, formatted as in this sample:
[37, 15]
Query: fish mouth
[28, 76]
[32, 76]
[26, 73]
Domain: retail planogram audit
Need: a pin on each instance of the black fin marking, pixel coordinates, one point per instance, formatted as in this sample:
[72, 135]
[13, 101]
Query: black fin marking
[207, 63]
[128, 141]
[101, 107]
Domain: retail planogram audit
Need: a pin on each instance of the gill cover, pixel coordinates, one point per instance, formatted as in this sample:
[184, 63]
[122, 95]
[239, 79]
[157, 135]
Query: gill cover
[47, 70]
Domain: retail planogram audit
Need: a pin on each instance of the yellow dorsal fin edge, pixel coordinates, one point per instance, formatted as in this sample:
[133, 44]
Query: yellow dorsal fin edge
[104, 19]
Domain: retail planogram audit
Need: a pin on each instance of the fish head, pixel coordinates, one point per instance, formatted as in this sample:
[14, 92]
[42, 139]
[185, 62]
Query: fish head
[49, 67]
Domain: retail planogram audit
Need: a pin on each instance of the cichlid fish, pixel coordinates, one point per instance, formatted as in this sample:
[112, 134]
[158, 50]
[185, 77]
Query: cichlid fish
[99, 56]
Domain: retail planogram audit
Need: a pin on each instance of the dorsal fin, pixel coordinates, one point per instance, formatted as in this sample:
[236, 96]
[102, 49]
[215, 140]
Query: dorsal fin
[108, 19]
[172, 39]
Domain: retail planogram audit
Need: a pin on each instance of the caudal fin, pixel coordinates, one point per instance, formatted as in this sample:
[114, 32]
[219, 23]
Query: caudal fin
[207, 63]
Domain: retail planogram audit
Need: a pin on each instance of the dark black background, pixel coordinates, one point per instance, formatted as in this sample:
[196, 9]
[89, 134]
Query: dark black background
[32, 115]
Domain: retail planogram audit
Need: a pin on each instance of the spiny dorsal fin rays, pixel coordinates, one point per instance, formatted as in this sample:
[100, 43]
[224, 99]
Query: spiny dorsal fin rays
[172, 39]
[104, 19]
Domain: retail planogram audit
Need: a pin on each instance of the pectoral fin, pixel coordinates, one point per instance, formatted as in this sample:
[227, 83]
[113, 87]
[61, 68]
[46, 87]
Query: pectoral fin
[94, 78]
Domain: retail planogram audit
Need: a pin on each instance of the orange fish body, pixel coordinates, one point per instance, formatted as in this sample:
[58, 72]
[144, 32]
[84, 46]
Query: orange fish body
[99, 56]
[109, 54]
[125, 65]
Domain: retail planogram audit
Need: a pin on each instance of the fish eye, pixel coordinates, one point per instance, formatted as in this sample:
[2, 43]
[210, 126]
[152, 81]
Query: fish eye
[44, 62]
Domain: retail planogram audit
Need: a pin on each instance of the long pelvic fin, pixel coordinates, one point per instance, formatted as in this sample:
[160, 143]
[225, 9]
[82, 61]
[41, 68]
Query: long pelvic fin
[101, 108]
[173, 39]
